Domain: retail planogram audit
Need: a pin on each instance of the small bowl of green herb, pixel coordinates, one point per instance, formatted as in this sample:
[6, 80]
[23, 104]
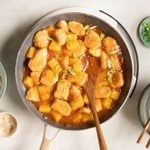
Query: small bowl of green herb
[3, 81]
[144, 31]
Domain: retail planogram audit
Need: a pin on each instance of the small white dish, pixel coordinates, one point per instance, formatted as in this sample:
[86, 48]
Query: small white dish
[8, 124]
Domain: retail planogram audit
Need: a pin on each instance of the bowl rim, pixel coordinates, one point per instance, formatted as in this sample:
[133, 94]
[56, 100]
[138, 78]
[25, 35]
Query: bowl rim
[140, 110]
[4, 81]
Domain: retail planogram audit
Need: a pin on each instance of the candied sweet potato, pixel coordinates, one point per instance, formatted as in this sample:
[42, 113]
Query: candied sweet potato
[72, 44]
[87, 117]
[103, 61]
[117, 80]
[44, 92]
[77, 117]
[76, 100]
[107, 103]
[36, 77]
[115, 95]
[99, 106]
[62, 24]
[62, 91]
[45, 108]
[32, 94]
[55, 115]
[80, 78]
[60, 36]
[28, 82]
[55, 66]
[86, 110]
[109, 43]
[61, 107]
[76, 27]
[38, 62]
[115, 62]
[92, 39]
[77, 103]
[96, 52]
[54, 46]
[85, 98]
[31, 52]
[48, 78]
[103, 92]
[41, 39]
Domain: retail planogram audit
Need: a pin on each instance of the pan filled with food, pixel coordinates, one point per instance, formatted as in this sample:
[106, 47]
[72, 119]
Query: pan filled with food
[52, 63]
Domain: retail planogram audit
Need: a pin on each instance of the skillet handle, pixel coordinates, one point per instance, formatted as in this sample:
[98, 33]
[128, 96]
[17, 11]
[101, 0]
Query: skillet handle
[46, 144]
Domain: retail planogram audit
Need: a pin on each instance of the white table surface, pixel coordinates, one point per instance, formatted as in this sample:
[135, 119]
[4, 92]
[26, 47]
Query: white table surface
[121, 132]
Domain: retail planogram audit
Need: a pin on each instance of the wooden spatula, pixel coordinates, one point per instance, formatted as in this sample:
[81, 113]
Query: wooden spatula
[89, 88]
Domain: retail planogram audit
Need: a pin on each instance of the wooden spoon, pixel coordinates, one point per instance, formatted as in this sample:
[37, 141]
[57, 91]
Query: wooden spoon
[89, 87]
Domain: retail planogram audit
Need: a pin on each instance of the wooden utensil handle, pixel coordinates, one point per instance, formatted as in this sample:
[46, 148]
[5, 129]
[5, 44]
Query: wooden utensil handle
[101, 139]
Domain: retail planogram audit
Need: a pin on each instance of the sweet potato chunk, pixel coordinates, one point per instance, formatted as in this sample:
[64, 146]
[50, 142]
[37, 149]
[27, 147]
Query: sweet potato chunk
[77, 103]
[72, 43]
[76, 64]
[54, 46]
[76, 100]
[55, 66]
[55, 115]
[50, 30]
[103, 92]
[92, 39]
[104, 60]
[74, 92]
[117, 80]
[41, 39]
[76, 27]
[81, 49]
[32, 94]
[31, 52]
[45, 108]
[61, 107]
[62, 25]
[115, 95]
[60, 36]
[65, 62]
[53, 63]
[38, 62]
[109, 43]
[44, 92]
[96, 52]
[36, 77]
[101, 79]
[62, 91]
[80, 78]
[107, 103]
[85, 98]
[28, 82]
[77, 117]
[86, 110]
[115, 62]
[99, 106]
[87, 117]
[48, 78]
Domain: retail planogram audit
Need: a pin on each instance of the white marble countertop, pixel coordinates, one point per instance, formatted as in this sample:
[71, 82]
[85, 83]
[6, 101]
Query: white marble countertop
[121, 132]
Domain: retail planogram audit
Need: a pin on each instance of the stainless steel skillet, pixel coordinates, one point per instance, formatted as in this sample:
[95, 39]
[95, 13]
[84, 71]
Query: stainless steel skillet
[86, 16]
